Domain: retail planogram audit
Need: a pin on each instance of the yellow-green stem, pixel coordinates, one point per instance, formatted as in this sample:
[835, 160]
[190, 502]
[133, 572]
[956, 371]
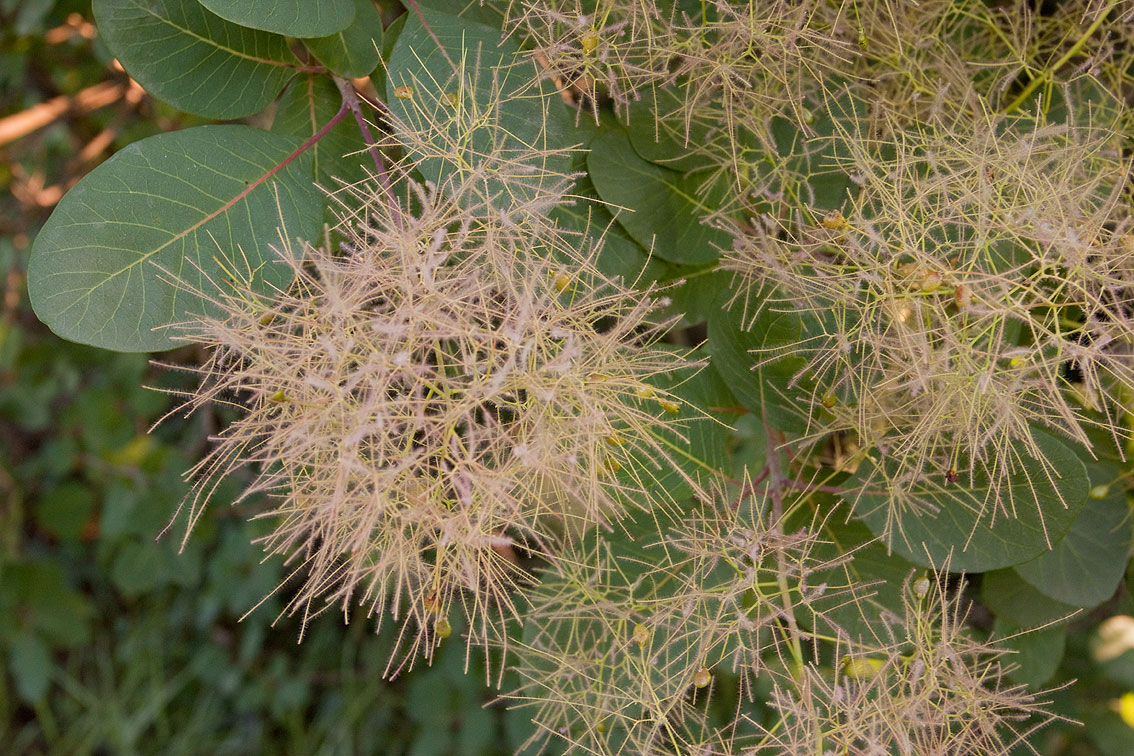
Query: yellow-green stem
[1048, 72]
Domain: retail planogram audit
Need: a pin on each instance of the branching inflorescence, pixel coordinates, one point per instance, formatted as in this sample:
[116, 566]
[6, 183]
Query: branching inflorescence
[938, 194]
[434, 405]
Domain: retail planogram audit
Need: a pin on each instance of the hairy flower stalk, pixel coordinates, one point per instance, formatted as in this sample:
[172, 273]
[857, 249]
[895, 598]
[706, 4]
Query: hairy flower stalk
[444, 399]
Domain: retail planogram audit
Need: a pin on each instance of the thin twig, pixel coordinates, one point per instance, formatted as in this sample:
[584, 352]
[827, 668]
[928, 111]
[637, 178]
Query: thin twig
[351, 99]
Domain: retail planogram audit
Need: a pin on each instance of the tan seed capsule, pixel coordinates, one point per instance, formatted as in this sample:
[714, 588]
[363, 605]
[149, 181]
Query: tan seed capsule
[641, 635]
[921, 587]
[702, 678]
[589, 41]
[834, 220]
[278, 396]
[450, 99]
[432, 603]
[442, 627]
[671, 408]
[862, 668]
[930, 281]
[403, 92]
[829, 400]
[561, 281]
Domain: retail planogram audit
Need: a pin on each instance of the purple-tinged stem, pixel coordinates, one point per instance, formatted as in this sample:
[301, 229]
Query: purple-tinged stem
[351, 101]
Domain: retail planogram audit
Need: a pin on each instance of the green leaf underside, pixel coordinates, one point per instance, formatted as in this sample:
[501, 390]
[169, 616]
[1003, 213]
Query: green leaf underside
[354, 51]
[956, 523]
[1084, 568]
[660, 208]
[295, 18]
[167, 206]
[192, 59]
[465, 116]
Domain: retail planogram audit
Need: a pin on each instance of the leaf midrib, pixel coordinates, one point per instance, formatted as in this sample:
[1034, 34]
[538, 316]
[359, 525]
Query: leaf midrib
[211, 42]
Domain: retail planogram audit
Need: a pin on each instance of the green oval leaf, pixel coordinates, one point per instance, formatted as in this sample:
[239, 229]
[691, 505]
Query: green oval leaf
[619, 255]
[1036, 653]
[639, 584]
[196, 61]
[475, 102]
[1084, 569]
[179, 204]
[743, 344]
[1012, 600]
[31, 666]
[489, 13]
[879, 577]
[354, 51]
[955, 523]
[389, 40]
[295, 18]
[659, 207]
[657, 130]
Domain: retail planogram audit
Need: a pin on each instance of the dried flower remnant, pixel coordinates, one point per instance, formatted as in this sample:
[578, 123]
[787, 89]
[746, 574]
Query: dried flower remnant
[609, 48]
[936, 690]
[430, 405]
[977, 288]
[741, 63]
[629, 632]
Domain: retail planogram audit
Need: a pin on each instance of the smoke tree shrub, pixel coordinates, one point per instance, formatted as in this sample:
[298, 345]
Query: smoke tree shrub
[678, 356]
